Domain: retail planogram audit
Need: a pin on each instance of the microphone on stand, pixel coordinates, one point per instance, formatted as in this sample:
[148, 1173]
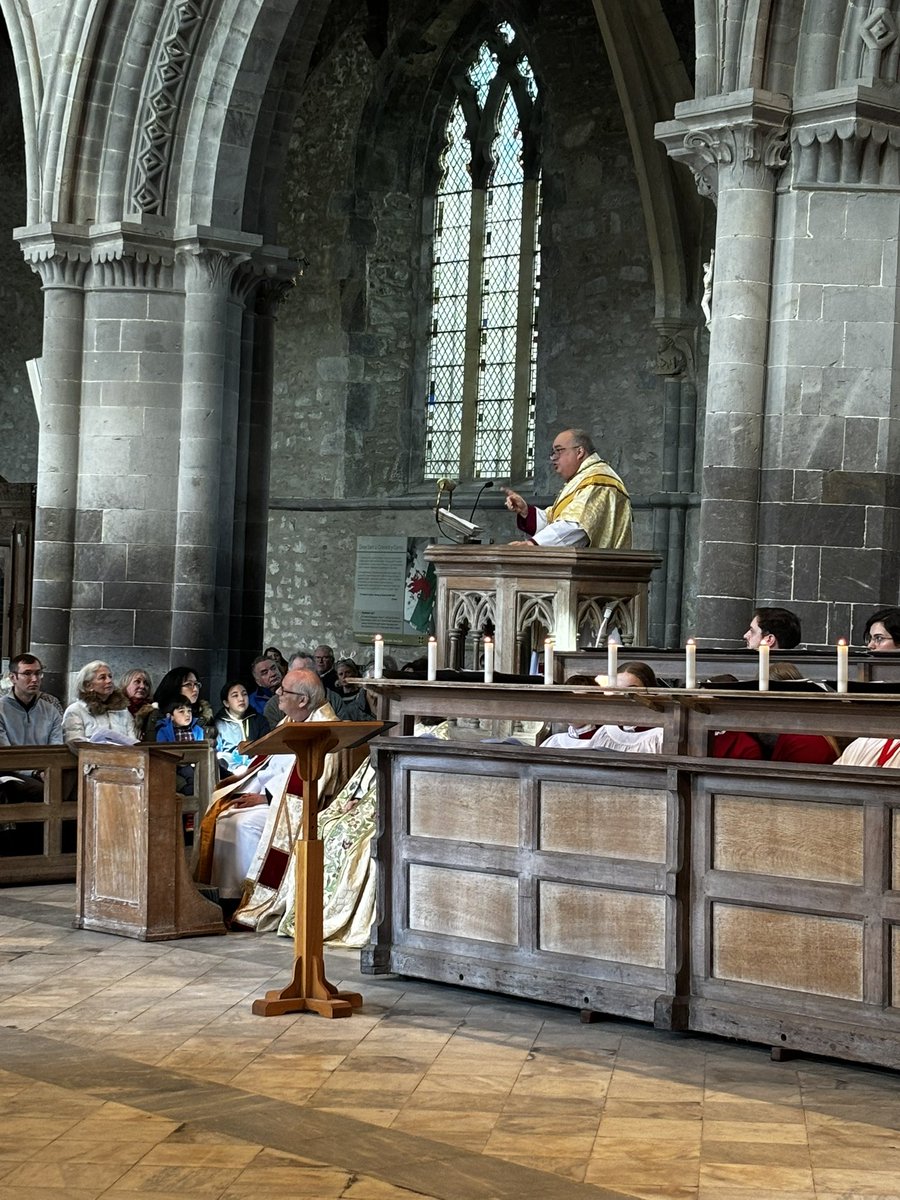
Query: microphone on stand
[449, 486]
[488, 483]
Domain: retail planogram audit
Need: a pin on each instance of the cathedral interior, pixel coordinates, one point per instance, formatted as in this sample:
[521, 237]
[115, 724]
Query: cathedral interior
[244, 328]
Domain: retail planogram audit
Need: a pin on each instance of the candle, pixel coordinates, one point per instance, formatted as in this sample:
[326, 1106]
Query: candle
[432, 658]
[378, 667]
[843, 664]
[612, 662]
[548, 661]
[690, 664]
[763, 666]
[488, 660]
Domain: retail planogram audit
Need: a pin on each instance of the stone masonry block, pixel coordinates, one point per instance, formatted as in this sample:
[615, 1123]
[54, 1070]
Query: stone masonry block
[51, 593]
[193, 597]
[806, 573]
[815, 343]
[104, 628]
[87, 595]
[154, 628]
[850, 575]
[737, 298]
[857, 391]
[775, 570]
[150, 564]
[808, 486]
[811, 524]
[117, 594]
[55, 524]
[869, 344]
[50, 627]
[826, 261]
[100, 366]
[725, 565]
[777, 484]
[88, 525]
[860, 445]
[55, 560]
[740, 339]
[827, 218]
[153, 527]
[847, 302]
[99, 562]
[724, 519]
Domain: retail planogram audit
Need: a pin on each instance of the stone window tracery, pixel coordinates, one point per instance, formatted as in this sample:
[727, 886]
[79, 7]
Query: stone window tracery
[485, 270]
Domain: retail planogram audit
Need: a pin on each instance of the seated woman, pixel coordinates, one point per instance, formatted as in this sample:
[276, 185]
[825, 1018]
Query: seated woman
[100, 711]
[632, 739]
[277, 657]
[236, 722]
[882, 630]
[178, 683]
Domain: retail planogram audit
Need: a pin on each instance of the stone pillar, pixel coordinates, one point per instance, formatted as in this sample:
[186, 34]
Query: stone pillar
[205, 484]
[61, 266]
[736, 147]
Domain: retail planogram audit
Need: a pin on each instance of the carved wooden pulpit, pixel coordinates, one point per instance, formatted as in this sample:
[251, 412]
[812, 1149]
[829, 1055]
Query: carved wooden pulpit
[310, 742]
[520, 592]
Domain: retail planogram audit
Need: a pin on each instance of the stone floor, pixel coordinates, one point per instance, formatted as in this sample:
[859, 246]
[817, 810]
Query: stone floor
[131, 1069]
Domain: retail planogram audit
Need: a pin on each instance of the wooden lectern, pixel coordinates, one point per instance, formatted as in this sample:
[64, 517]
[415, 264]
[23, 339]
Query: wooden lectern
[309, 742]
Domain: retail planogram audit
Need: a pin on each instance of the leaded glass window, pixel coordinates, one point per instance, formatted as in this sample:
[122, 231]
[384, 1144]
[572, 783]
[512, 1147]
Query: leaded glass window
[482, 352]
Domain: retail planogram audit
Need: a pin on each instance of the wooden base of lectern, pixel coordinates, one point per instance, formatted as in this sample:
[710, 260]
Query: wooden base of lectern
[309, 990]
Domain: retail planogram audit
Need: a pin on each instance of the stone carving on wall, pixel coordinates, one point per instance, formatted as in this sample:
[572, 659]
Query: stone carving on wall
[847, 153]
[59, 268]
[870, 50]
[709, 274]
[674, 350]
[162, 104]
[745, 155]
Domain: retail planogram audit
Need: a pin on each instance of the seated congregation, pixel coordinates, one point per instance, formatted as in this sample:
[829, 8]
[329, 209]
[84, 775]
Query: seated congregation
[248, 837]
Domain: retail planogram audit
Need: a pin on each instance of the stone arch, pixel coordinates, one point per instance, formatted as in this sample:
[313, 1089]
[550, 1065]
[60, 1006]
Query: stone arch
[27, 60]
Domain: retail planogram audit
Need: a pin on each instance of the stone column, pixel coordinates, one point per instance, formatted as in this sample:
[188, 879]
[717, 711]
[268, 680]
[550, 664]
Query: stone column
[61, 265]
[736, 148]
[205, 486]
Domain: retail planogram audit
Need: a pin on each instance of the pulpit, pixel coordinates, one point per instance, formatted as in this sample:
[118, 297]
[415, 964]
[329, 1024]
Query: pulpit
[310, 742]
[132, 874]
[526, 593]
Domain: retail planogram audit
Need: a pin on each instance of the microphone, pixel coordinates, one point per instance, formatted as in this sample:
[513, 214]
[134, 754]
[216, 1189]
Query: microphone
[488, 483]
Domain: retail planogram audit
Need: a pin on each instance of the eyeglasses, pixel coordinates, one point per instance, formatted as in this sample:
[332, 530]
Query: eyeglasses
[878, 638]
[558, 450]
[191, 683]
[283, 691]
[28, 674]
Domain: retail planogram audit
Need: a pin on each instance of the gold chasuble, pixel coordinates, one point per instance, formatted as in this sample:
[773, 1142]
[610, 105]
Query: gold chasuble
[595, 498]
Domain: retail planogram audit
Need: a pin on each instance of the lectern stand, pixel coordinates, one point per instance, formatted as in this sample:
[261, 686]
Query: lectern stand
[309, 742]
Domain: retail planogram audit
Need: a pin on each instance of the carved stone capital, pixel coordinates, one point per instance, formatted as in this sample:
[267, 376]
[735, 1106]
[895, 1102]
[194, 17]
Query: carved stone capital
[848, 138]
[738, 141]
[60, 255]
[208, 269]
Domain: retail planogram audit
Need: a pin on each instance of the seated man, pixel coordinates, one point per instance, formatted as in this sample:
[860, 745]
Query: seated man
[346, 708]
[266, 676]
[777, 628]
[247, 836]
[27, 718]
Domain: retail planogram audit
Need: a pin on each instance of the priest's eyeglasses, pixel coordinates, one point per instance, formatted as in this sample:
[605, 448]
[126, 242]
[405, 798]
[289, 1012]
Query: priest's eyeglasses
[283, 691]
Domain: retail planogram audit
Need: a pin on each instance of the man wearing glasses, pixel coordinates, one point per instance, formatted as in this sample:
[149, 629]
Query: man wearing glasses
[593, 509]
[27, 718]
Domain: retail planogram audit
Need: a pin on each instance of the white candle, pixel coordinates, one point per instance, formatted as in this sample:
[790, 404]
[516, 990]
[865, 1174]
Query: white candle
[432, 658]
[843, 664]
[548, 661]
[612, 662]
[763, 666]
[488, 660]
[378, 667]
[690, 664]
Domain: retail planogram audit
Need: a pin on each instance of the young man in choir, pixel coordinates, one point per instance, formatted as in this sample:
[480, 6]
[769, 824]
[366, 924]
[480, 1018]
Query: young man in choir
[777, 628]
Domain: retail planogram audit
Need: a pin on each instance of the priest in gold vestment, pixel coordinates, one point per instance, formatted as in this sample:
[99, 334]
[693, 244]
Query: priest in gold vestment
[592, 511]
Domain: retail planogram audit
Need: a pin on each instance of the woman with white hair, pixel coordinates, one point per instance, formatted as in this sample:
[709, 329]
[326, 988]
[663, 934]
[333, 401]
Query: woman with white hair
[100, 711]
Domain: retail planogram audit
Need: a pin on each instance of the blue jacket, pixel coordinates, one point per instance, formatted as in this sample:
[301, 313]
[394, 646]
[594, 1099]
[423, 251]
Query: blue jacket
[165, 730]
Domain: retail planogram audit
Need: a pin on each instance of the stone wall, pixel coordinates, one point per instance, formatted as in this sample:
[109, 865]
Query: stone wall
[348, 413]
[20, 290]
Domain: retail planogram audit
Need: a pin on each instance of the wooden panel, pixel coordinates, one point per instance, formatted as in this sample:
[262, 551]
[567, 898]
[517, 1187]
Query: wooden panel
[466, 904]
[464, 808]
[895, 849]
[799, 951]
[624, 927]
[118, 851]
[608, 822]
[794, 839]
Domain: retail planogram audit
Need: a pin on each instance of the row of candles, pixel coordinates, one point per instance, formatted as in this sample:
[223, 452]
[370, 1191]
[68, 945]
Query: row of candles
[612, 662]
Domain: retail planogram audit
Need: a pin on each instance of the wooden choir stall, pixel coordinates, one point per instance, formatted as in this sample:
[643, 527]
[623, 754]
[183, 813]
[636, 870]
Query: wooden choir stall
[748, 898]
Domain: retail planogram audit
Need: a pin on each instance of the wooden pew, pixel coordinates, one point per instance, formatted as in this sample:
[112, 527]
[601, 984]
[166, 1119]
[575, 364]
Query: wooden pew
[37, 840]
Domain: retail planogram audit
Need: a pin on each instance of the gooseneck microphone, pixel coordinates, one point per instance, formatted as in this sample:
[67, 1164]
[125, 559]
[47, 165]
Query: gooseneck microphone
[488, 483]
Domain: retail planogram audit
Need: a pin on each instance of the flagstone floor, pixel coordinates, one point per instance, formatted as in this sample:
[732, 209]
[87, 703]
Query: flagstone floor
[130, 1069]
